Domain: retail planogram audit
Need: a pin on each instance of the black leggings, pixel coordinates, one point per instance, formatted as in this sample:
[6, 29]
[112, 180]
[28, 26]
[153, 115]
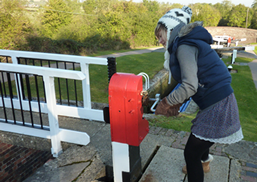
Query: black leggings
[195, 151]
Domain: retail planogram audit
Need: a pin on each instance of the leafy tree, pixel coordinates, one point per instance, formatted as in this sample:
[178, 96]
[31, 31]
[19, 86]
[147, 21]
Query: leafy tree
[57, 14]
[152, 6]
[165, 7]
[98, 6]
[206, 13]
[176, 5]
[129, 7]
[90, 6]
[14, 26]
[249, 17]
[238, 15]
[224, 8]
[254, 5]
[71, 26]
[254, 15]
[254, 21]
[75, 6]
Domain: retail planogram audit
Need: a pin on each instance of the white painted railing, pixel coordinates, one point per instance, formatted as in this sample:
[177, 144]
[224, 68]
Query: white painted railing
[86, 112]
[55, 133]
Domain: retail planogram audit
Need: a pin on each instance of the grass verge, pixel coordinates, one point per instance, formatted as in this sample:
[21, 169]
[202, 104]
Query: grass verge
[149, 63]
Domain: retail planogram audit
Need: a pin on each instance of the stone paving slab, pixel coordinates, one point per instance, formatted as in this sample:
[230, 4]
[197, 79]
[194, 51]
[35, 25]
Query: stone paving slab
[77, 163]
[168, 162]
[52, 173]
[165, 166]
[219, 170]
[243, 150]
[150, 145]
[235, 169]
[234, 158]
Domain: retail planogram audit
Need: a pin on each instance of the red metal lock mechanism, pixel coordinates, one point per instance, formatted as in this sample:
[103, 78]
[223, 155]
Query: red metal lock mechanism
[126, 111]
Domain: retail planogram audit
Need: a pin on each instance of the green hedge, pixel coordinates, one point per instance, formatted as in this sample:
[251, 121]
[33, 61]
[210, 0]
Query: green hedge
[62, 27]
[67, 26]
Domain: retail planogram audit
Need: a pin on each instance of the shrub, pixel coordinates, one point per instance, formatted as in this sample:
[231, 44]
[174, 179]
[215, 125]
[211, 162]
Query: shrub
[14, 26]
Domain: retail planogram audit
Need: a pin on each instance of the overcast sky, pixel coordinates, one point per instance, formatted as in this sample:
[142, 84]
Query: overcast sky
[247, 3]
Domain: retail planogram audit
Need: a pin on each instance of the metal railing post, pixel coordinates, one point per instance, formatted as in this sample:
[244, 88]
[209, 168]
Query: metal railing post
[111, 67]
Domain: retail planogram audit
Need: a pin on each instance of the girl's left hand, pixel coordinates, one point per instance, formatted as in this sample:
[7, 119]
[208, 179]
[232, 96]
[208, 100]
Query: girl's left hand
[163, 108]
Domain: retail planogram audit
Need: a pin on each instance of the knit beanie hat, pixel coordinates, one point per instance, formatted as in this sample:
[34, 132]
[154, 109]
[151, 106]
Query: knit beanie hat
[171, 20]
[174, 17]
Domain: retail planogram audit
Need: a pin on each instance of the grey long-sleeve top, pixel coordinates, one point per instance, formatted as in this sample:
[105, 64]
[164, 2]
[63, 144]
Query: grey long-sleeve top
[187, 58]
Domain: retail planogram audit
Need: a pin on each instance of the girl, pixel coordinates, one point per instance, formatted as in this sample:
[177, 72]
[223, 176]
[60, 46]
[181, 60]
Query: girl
[204, 77]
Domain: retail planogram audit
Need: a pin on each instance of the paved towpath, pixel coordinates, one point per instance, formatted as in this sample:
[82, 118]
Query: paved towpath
[161, 152]
[253, 67]
[141, 51]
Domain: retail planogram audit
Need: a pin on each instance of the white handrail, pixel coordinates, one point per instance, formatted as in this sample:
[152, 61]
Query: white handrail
[50, 105]
[56, 134]
[43, 71]
[53, 56]
[88, 113]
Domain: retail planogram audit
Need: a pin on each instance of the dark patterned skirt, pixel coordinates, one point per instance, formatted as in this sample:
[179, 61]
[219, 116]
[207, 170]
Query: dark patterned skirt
[219, 123]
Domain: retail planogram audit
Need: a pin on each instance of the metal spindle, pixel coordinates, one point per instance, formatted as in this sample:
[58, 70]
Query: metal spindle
[38, 99]
[3, 84]
[11, 95]
[59, 85]
[19, 60]
[21, 80]
[41, 64]
[75, 87]
[5, 92]
[18, 90]
[29, 99]
[22, 87]
[67, 85]
[111, 66]
[2, 95]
